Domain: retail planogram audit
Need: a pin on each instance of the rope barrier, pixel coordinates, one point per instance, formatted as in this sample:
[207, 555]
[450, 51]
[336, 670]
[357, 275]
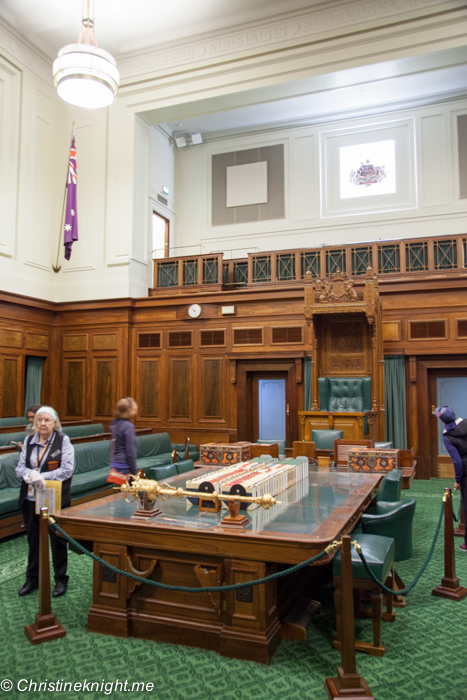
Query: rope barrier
[456, 520]
[411, 585]
[185, 589]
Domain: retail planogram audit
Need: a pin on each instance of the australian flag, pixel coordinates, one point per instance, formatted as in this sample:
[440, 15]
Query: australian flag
[71, 212]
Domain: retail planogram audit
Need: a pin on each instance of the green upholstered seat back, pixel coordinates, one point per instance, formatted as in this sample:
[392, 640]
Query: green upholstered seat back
[8, 465]
[82, 430]
[155, 444]
[5, 422]
[324, 439]
[92, 455]
[184, 466]
[393, 520]
[6, 438]
[161, 473]
[345, 394]
[378, 551]
[390, 489]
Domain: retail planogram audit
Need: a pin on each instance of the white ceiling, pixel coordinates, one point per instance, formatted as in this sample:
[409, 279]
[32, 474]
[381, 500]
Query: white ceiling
[123, 26]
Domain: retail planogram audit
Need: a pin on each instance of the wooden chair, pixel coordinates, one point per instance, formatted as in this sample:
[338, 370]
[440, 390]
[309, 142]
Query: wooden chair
[304, 449]
[342, 446]
[379, 552]
[271, 449]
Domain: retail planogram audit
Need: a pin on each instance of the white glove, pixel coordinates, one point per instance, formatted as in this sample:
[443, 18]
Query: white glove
[33, 477]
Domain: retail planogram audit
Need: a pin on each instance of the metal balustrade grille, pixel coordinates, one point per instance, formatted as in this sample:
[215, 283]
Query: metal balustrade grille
[445, 254]
[167, 274]
[310, 261]
[389, 259]
[261, 268]
[225, 274]
[241, 273]
[416, 256]
[210, 271]
[190, 272]
[336, 261]
[285, 267]
[362, 258]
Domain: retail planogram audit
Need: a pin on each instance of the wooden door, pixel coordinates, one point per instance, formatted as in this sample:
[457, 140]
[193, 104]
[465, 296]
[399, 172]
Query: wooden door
[248, 378]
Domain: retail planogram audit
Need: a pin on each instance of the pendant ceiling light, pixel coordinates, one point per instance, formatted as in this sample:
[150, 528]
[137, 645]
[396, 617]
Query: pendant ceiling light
[84, 75]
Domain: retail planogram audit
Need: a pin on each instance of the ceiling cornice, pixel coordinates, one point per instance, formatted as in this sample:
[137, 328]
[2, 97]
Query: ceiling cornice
[288, 29]
[21, 50]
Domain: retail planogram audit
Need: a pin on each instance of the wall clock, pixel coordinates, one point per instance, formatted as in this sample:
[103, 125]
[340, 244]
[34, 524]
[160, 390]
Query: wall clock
[194, 310]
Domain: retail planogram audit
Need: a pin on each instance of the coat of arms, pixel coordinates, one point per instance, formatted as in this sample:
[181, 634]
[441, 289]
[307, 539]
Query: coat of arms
[368, 174]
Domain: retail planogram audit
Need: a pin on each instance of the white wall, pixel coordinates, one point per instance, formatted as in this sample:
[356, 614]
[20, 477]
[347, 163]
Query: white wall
[436, 209]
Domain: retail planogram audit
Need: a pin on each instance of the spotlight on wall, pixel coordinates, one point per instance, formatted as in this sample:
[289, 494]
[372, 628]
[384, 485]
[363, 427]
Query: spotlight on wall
[188, 140]
[84, 75]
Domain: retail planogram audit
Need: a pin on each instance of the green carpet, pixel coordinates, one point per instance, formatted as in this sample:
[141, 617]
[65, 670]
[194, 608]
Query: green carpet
[425, 647]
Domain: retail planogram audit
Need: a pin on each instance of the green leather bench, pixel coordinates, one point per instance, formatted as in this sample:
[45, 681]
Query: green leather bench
[5, 422]
[89, 481]
[72, 431]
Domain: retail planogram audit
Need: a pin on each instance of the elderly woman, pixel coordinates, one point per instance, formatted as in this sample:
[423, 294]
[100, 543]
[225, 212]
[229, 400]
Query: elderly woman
[47, 454]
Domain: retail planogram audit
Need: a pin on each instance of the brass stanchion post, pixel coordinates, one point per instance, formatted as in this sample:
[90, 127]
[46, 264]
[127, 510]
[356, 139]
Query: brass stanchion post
[46, 627]
[449, 587]
[349, 683]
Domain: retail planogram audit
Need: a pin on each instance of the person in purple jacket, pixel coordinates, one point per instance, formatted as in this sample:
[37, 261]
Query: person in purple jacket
[123, 450]
[455, 441]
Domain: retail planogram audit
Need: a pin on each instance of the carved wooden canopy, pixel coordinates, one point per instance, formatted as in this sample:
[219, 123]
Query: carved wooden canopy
[336, 294]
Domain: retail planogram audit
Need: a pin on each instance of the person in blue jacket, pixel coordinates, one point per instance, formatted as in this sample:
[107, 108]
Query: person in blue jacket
[123, 450]
[455, 441]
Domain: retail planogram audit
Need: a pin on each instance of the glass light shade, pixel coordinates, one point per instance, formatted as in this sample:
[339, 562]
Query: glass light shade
[86, 76]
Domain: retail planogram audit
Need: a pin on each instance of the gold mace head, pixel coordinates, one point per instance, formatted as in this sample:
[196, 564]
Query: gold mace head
[267, 501]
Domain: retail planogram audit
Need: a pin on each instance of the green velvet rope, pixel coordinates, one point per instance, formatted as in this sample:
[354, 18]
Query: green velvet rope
[408, 588]
[458, 513]
[185, 589]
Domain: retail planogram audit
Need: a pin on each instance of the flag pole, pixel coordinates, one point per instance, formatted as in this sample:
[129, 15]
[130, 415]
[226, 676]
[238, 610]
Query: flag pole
[57, 267]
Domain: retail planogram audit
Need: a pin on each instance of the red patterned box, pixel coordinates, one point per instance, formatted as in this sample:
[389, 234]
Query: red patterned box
[223, 454]
[371, 460]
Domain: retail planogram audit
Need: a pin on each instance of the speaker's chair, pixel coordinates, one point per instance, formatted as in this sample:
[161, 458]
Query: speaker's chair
[345, 394]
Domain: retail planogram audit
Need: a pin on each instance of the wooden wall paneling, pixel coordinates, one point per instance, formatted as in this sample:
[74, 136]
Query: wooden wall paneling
[180, 388]
[37, 341]
[75, 371]
[211, 389]
[147, 387]
[104, 341]
[75, 342]
[11, 338]
[11, 385]
[104, 387]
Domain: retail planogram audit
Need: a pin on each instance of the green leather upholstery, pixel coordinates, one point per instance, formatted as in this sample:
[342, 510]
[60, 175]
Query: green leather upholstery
[161, 473]
[6, 438]
[184, 466]
[391, 487]
[282, 444]
[91, 455]
[345, 394]
[383, 446]
[393, 520]
[324, 439]
[379, 553]
[5, 422]
[83, 430]
[192, 450]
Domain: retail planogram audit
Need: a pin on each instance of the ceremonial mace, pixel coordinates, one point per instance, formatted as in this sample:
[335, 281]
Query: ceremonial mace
[147, 491]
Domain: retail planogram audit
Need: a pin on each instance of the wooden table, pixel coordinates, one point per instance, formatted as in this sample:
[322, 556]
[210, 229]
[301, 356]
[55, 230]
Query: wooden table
[188, 548]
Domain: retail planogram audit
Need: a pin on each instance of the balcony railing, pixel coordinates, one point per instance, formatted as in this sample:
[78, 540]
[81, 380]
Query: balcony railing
[414, 256]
